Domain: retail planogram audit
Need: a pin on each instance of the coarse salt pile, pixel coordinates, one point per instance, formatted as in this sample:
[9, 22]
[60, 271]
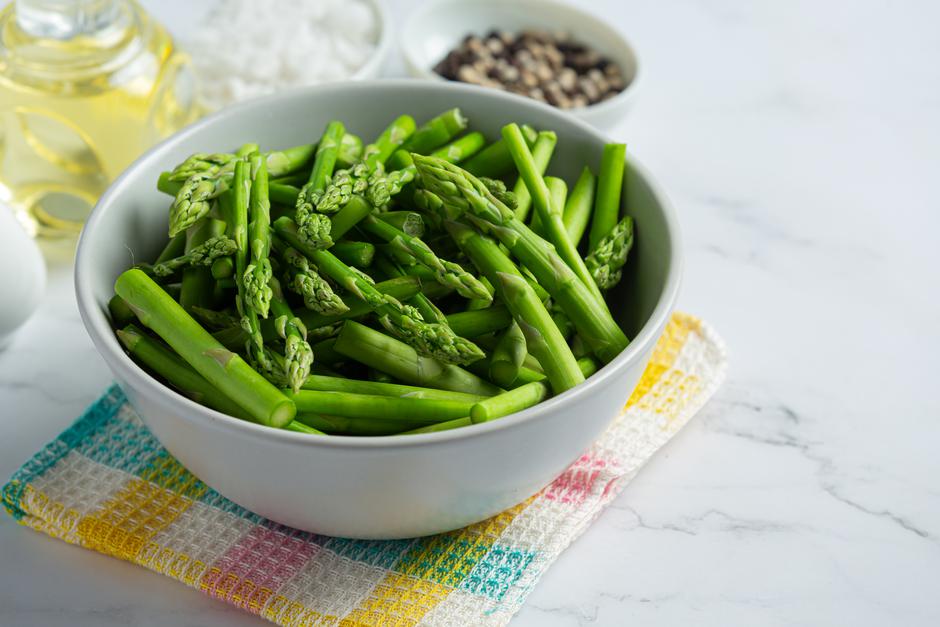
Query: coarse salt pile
[246, 48]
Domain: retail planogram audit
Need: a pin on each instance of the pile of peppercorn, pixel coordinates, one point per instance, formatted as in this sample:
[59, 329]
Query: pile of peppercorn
[544, 66]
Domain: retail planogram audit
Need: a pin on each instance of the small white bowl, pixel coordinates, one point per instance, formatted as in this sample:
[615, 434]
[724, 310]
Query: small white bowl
[438, 27]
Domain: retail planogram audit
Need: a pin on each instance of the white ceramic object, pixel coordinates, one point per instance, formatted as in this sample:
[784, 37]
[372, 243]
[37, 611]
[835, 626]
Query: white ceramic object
[437, 27]
[22, 275]
[373, 67]
[377, 487]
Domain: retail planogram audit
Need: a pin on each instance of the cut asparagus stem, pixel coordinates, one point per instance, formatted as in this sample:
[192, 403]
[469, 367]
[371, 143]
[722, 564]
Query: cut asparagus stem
[558, 192]
[350, 405]
[609, 186]
[341, 425]
[223, 268]
[121, 314]
[542, 337]
[609, 256]
[257, 273]
[461, 149]
[520, 398]
[431, 135]
[431, 339]
[300, 427]
[508, 356]
[451, 193]
[447, 272]
[350, 151]
[376, 388]
[222, 368]
[212, 319]
[358, 254]
[541, 154]
[196, 285]
[549, 213]
[494, 161]
[170, 367]
[175, 247]
[385, 353]
[389, 141]
[440, 426]
[349, 216]
[409, 222]
[480, 322]
[298, 356]
[579, 206]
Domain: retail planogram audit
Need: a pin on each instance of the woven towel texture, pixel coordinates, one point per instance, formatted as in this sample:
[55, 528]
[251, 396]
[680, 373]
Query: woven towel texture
[107, 484]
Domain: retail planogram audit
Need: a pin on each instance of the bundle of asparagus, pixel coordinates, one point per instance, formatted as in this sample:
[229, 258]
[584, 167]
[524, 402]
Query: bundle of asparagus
[393, 288]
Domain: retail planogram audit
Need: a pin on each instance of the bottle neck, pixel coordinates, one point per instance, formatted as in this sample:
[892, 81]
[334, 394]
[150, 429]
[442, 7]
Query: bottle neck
[66, 19]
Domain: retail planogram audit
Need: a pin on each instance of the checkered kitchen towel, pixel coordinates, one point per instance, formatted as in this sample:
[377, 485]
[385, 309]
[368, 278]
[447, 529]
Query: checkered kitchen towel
[107, 484]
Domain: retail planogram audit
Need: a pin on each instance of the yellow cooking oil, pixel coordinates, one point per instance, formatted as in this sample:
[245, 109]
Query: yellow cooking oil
[85, 87]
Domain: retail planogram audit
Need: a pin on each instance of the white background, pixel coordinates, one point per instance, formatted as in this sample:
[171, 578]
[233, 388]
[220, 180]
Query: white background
[800, 141]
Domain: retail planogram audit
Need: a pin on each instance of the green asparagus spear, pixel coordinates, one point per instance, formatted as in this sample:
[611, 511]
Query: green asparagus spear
[350, 405]
[440, 426]
[421, 302]
[298, 356]
[480, 322]
[519, 398]
[223, 267]
[349, 216]
[609, 186]
[318, 295]
[494, 161]
[299, 427]
[431, 339]
[541, 154]
[558, 192]
[257, 273]
[408, 221]
[461, 149]
[325, 161]
[578, 208]
[452, 193]
[121, 314]
[350, 151]
[447, 272]
[175, 247]
[170, 367]
[240, 192]
[196, 285]
[212, 319]
[609, 256]
[400, 360]
[432, 134]
[541, 335]
[375, 388]
[508, 356]
[204, 254]
[549, 213]
[341, 425]
[358, 254]
[389, 141]
[222, 368]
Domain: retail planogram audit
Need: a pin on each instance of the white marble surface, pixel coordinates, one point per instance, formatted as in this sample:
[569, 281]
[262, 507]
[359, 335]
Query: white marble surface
[800, 142]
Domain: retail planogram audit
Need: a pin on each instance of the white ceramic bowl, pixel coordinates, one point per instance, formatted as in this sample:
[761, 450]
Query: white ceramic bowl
[373, 67]
[378, 487]
[437, 27]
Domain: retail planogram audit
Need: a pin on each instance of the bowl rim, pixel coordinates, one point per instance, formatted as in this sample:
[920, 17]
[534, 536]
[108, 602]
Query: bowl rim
[383, 44]
[102, 335]
[418, 68]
